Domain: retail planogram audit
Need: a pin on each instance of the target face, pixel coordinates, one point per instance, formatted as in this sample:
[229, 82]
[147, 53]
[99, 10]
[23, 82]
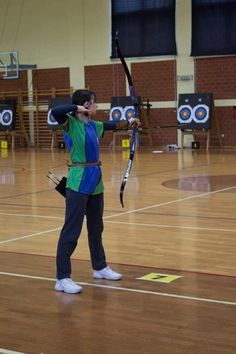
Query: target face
[51, 120]
[117, 114]
[6, 117]
[185, 114]
[201, 113]
[129, 112]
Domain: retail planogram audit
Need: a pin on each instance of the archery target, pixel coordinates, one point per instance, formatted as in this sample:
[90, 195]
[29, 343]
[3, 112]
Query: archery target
[201, 113]
[195, 110]
[129, 112]
[185, 114]
[6, 117]
[53, 102]
[51, 120]
[117, 114]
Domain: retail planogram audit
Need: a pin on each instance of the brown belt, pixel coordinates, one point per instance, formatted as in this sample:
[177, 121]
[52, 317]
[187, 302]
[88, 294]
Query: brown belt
[85, 164]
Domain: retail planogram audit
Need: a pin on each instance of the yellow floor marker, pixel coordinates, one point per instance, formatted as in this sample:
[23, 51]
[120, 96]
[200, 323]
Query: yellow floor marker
[125, 143]
[125, 154]
[4, 153]
[162, 278]
[4, 144]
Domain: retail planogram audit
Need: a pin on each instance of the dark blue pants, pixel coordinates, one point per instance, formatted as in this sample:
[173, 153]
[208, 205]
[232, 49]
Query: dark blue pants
[78, 205]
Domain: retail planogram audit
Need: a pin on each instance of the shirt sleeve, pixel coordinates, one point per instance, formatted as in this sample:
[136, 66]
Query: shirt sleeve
[111, 125]
[68, 128]
[99, 128]
[60, 113]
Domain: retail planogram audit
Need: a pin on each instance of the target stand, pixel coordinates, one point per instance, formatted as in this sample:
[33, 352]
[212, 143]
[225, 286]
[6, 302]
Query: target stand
[195, 134]
[8, 121]
[122, 108]
[197, 112]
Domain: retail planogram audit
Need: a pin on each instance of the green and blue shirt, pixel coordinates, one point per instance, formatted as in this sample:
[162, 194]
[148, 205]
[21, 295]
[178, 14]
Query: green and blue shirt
[85, 148]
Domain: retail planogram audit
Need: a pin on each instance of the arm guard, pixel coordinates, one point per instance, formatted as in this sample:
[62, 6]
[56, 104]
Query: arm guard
[111, 125]
[60, 113]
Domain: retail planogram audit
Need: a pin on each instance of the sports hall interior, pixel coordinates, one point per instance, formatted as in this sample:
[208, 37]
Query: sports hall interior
[175, 239]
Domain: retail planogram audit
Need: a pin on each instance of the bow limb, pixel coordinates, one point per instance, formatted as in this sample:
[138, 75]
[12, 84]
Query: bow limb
[134, 130]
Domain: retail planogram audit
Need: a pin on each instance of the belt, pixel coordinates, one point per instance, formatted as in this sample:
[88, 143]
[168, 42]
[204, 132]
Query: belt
[85, 164]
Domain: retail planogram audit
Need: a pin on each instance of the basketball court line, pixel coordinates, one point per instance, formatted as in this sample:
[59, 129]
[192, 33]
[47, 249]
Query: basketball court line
[33, 216]
[146, 292]
[171, 226]
[131, 211]
[161, 269]
[199, 216]
[7, 351]
[114, 222]
[37, 206]
[31, 235]
[171, 202]
[23, 194]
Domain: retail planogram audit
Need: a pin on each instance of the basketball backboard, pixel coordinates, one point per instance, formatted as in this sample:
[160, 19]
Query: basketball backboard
[9, 65]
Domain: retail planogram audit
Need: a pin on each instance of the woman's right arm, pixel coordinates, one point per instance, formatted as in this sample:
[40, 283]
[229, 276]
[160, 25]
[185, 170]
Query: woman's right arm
[60, 113]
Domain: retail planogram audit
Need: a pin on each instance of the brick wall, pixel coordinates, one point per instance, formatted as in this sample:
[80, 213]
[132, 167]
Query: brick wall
[227, 125]
[155, 80]
[45, 79]
[107, 138]
[14, 85]
[218, 75]
[105, 80]
[160, 117]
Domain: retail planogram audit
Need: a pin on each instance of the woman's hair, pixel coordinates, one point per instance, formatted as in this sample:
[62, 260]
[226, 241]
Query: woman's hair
[81, 96]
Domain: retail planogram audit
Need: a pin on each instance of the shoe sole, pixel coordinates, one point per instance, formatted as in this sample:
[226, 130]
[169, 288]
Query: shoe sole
[67, 292]
[95, 277]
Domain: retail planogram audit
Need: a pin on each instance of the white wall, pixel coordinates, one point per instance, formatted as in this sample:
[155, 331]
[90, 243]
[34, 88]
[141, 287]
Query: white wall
[74, 33]
[57, 33]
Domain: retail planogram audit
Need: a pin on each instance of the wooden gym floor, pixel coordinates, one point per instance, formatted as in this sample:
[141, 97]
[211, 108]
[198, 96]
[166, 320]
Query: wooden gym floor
[179, 219]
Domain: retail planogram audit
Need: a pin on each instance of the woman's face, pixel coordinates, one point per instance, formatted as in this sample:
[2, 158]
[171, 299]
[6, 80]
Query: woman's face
[92, 106]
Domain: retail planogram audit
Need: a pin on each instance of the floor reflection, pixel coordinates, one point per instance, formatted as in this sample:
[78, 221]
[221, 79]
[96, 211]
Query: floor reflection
[202, 183]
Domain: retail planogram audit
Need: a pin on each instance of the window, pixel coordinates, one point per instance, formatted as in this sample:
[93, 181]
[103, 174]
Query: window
[146, 27]
[213, 27]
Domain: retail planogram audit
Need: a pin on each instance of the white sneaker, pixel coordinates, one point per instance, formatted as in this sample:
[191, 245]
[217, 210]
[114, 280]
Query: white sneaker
[106, 273]
[68, 286]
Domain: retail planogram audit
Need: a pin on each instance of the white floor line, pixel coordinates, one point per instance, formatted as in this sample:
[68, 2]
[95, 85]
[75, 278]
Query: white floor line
[170, 202]
[31, 235]
[127, 223]
[170, 226]
[33, 216]
[181, 297]
[6, 351]
[130, 212]
[134, 210]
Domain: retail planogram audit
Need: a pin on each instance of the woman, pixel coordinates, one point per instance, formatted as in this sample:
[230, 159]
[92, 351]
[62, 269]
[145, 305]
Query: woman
[84, 193]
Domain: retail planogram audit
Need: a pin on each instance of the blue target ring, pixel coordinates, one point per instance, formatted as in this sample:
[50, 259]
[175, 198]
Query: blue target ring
[201, 113]
[51, 120]
[6, 117]
[185, 114]
[117, 114]
[129, 112]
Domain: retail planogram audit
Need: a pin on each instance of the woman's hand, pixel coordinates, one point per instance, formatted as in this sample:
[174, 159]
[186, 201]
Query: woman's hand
[82, 110]
[134, 123]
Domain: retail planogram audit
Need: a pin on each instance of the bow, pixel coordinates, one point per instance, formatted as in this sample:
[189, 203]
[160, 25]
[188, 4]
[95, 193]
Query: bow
[133, 138]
